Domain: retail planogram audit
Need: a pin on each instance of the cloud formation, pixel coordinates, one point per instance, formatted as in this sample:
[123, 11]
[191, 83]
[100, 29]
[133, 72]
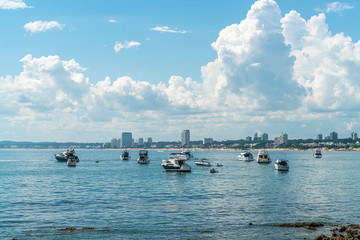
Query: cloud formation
[338, 7]
[167, 29]
[269, 71]
[112, 21]
[126, 45]
[42, 26]
[12, 4]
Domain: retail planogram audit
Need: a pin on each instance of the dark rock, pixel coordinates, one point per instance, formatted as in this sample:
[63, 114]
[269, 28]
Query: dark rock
[322, 237]
[342, 229]
[68, 229]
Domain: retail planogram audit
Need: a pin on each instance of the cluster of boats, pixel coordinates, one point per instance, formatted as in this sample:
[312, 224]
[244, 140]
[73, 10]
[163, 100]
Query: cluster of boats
[68, 156]
[177, 161]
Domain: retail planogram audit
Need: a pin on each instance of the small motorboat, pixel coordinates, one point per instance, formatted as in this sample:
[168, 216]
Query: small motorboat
[263, 157]
[143, 157]
[213, 171]
[203, 162]
[219, 165]
[125, 155]
[63, 157]
[317, 153]
[282, 165]
[176, 164]
[246, 156]
[71, 162]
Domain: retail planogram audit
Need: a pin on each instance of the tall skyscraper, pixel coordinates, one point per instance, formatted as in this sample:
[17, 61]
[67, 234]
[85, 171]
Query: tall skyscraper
[265, 137]
[354, 136]
[141, 142]
[149, 140]
[319, 137]
[185, 137]
[126, 139]
[115, 143]
[333, 136]
[255, 137]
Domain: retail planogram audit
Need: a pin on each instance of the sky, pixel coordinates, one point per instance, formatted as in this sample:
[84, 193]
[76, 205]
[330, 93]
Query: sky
[86, 71]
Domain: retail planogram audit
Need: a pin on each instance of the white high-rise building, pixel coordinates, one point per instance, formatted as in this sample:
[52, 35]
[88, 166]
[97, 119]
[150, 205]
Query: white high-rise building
[185, 137]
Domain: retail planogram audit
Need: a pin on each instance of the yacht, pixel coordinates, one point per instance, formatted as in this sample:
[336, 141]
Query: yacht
[282, 165]
[71, 161]
[143, 157]
[63, 157]
[188, 154]
[263, 157]
[246, 156]
[125, 155]
[203, 162]
[176, 163]
[317, 153]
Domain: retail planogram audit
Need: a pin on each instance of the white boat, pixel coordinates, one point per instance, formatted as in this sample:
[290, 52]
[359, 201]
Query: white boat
[246, 156]
[125, 155]
[71, 162]
[263, 157]
[63, 157]
[203, 162]
[317, 153]
[282, 165]
[188, 154]
[176, 163]
[143, 157]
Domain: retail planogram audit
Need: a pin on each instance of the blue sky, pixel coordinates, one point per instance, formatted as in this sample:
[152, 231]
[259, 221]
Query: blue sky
[223, 69]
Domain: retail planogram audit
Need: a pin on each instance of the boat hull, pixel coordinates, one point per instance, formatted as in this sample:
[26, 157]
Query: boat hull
[177, 168]
[281, 168]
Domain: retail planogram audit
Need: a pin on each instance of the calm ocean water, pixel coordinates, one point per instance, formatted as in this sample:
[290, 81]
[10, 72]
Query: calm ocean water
[125, 200]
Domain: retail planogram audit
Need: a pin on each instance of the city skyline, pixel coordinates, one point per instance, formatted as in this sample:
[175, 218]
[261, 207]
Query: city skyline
[83, 71]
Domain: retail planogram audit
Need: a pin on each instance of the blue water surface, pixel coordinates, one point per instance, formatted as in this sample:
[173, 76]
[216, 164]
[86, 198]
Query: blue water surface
[115, 199]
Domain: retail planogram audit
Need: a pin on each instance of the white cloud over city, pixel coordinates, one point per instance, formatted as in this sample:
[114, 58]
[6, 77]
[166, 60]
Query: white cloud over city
[269, 69]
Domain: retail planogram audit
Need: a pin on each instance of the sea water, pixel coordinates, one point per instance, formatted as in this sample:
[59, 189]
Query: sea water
[116, 199]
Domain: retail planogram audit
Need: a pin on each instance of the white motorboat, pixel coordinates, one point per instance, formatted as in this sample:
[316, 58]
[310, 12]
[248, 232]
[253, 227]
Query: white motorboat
[203, 162]
[125, 155]
[263, 157]
[282, 165]
[246, 156]
[63, 157]
[176, 163]
[143, 157]
[317, 153]
[188, 154]
[71, 162]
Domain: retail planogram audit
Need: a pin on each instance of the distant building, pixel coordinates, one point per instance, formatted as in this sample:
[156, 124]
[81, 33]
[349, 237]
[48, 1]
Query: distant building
[265, 137]
[149, 141]
[141, 142]
[248, 139]
[185, 137]
[207, 141]
[126, 139]
[354, 136]
[256, 137]
[319, 137]
[333, 136]
[283, 139]
[115, 143]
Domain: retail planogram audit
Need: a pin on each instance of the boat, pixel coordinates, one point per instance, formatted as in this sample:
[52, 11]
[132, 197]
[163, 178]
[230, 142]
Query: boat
[263, 157]
[125, 155]
[63, 157]
[246, 156]
[203, 162]
[176, 163]
[282, 165]
[219, 165]
[213, 171]
[143, 157]
[317, 153]
[71, 161]
[188, 154]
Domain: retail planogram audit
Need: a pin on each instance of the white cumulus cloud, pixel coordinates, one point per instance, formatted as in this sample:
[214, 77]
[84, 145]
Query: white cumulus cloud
[42, 26]
[167, 29]
[12, 4]
[126, 45]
